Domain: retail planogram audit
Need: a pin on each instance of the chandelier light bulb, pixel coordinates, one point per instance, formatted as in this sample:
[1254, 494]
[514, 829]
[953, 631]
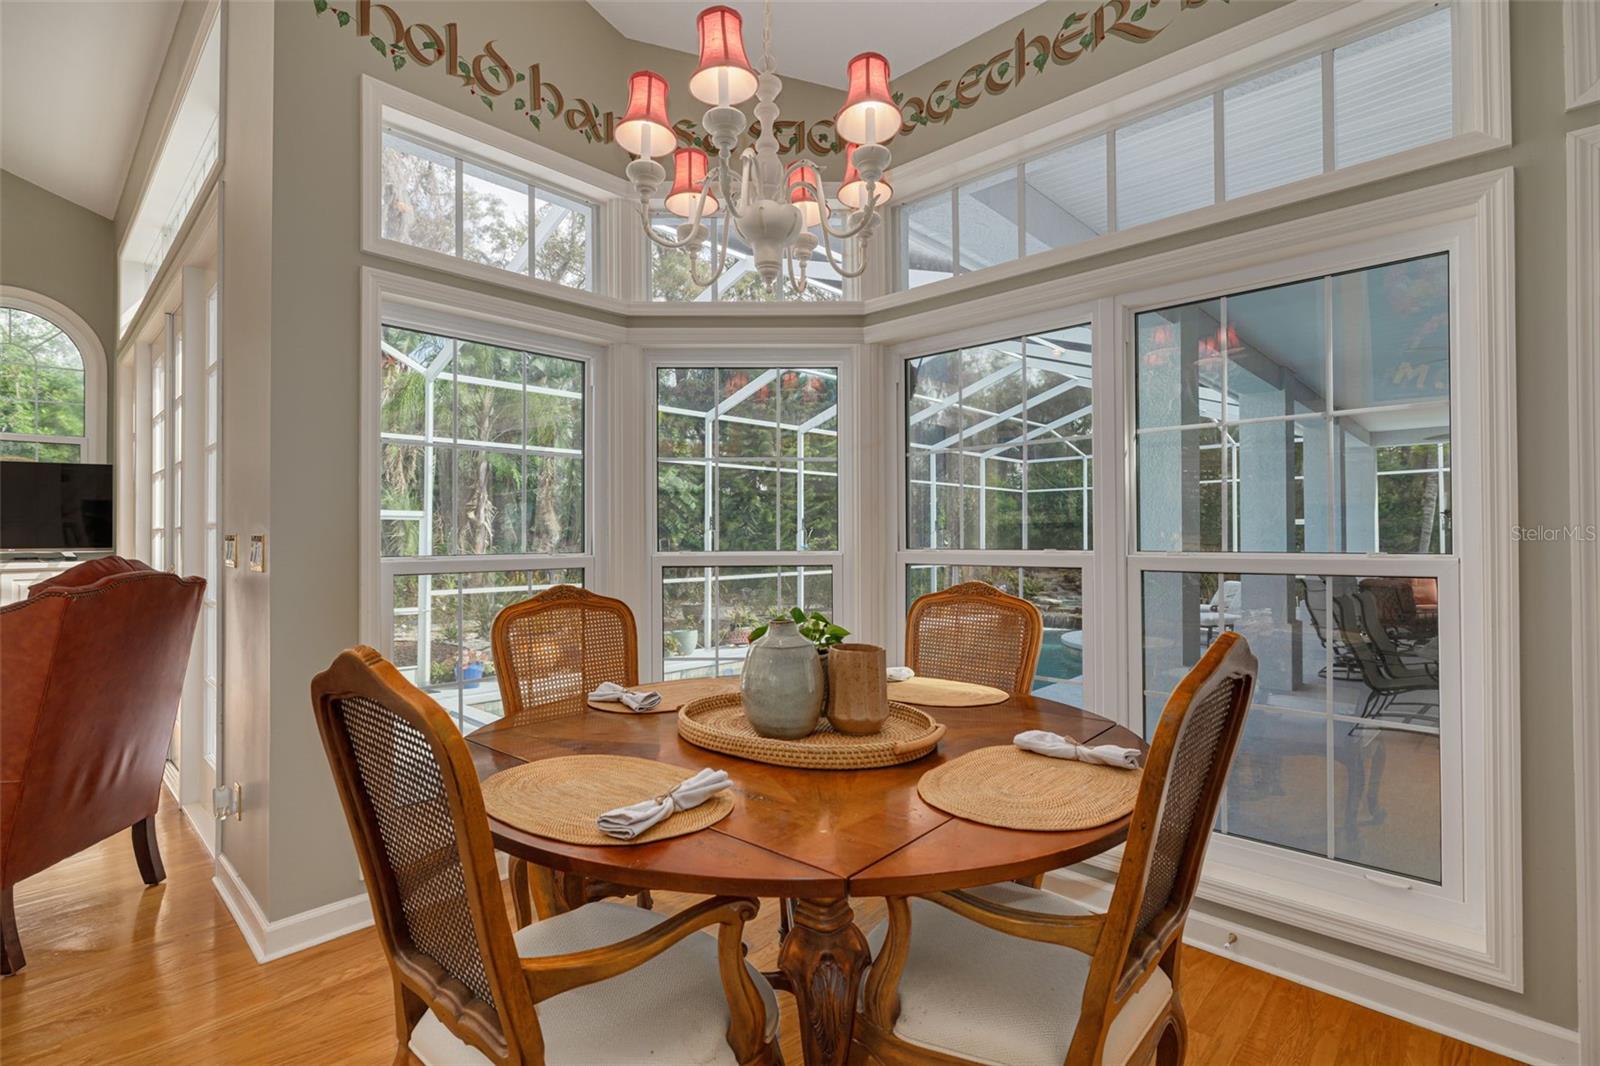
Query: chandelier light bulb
[801, 196]
[724, 77]
[869, 115]
[645, 131]
[689, 173]
[853, 190]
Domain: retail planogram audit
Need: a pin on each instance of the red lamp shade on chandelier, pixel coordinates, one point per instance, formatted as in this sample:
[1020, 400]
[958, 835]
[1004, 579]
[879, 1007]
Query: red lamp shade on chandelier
[801, 196]
[645, 130]
[724, 78]
[689, 173]
[870, 115]
[853, 191]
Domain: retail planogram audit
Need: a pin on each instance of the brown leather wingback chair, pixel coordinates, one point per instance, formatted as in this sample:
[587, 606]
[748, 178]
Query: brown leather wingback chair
[91, 668]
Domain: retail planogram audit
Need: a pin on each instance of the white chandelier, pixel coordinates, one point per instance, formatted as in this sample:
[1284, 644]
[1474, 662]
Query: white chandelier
[775, 208]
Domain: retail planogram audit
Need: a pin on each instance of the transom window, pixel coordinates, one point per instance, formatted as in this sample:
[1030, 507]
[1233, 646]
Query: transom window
[440, 201]
[483, 500]
[747, 505]
[670, 277]
[1390, 91]
[43, 399]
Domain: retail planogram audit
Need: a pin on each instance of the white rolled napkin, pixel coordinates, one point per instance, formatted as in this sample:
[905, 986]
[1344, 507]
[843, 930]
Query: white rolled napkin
[628, 822]
[611, 692]
[1057, 746]
[900, 673]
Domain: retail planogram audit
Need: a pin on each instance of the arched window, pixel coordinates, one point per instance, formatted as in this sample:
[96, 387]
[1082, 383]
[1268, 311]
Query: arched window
[51, 393]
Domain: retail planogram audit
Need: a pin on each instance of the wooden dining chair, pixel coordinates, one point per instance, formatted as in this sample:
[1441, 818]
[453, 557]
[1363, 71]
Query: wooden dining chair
[976, 633]
[603, 983]
[554, 648]
[1012, 974]
[550, 651]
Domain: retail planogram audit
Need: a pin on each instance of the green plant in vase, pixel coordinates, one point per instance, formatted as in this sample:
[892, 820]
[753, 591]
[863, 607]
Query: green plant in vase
[815, 627]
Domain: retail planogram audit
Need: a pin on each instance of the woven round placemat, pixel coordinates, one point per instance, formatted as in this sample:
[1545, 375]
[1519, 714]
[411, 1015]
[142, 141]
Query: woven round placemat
[562, 798]
[938, 692]
[719, 723]
[674, 694]
[1016, 789]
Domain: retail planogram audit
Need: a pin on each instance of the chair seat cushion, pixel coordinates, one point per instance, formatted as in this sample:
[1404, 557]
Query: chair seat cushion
[978, 994]
[670, 1010]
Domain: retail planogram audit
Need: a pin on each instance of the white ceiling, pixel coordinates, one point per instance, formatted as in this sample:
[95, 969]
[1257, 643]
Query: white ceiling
[75, 82]
[813, 39]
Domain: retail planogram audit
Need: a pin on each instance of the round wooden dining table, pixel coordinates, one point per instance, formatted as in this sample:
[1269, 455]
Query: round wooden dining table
[812, 837]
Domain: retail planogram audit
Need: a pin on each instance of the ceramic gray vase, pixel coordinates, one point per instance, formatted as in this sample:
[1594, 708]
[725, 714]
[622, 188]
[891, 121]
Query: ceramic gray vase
[782, 685]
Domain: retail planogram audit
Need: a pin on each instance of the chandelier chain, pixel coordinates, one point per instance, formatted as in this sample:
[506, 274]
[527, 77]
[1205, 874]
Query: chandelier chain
[768, 66]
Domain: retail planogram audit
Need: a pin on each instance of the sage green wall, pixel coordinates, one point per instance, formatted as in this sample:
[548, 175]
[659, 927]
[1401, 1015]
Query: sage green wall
[52, 246]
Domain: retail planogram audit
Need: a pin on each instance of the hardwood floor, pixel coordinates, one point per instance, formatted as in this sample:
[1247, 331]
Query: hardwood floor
[118, 973]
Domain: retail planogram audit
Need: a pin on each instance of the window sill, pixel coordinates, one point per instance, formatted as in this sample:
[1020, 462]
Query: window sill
[1336, 900]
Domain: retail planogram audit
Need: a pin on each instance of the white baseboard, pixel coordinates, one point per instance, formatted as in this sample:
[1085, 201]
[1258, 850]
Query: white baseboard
[1473, 1021]
[169, 778]
[270, 940]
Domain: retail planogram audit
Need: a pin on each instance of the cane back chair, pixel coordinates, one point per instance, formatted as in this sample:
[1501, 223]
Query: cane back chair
[554, 648]
[628, 984]
[978, 976]
[976, 633]
[550, 651]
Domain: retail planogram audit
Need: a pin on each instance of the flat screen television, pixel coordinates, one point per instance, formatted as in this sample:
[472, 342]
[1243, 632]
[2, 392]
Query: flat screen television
[55, 507]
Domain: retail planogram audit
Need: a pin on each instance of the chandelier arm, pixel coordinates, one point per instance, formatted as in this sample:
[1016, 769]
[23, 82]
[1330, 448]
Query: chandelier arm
[868, 212]
[839, 268]
[672, 244]
[720, 260]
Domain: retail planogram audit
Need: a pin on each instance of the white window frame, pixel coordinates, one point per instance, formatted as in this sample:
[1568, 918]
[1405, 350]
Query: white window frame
[846, 601]
[1298, 31]
[1095, 692]
[387, 107]
[1238, 871]
[92, 445]
[412, 303]
[1478, 932]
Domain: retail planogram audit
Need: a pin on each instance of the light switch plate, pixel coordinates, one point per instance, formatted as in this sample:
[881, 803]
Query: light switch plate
[258, 552]
[230, 550]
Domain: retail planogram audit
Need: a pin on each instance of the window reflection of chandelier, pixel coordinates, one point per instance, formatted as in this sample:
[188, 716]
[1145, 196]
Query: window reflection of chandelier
[775, 208]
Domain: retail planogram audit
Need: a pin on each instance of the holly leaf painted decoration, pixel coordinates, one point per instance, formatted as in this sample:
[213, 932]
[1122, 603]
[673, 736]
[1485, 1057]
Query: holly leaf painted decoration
[320, 5]
[377, 42]
[1075, 17]
[466, 71]
[487, 102]
[535, 120]
[399, 61]
[551, 104]
[1001, 70]
[521, 76]
[1039, 62]
[344, 18]
[1140, 11]
[1087, 40]
[520, 104]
